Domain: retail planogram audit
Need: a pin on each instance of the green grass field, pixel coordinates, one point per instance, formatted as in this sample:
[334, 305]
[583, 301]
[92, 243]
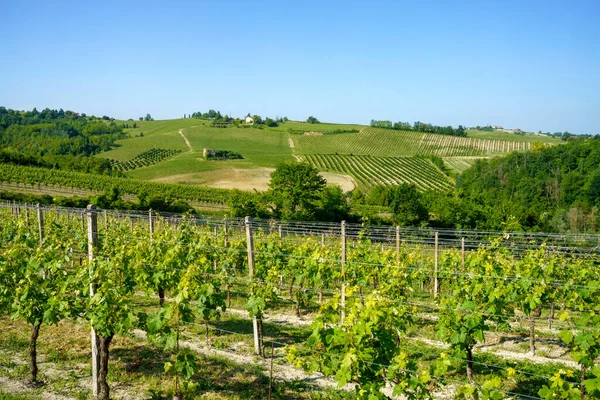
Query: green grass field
[501, 135]
[263, 148]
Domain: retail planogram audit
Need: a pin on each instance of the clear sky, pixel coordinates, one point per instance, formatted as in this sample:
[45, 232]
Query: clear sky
[528, 64]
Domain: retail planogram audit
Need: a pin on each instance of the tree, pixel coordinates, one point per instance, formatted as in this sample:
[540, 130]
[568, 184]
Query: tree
[257, 120]
[312, 120]
[271, 122]
[407, 205]
[148, 117]
[294, 190]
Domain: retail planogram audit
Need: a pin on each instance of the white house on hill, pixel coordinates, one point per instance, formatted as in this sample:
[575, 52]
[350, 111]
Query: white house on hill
[249, 119]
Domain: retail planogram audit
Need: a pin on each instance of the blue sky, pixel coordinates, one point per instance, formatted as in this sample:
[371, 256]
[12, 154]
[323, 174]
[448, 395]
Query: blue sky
[528, 64]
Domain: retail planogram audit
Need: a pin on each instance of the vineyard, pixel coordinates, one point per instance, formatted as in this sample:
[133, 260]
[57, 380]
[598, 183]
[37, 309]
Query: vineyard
[33, 176]
[378, 311]
[390, 143]
[460, 164]
[145, 159]
[369, 171]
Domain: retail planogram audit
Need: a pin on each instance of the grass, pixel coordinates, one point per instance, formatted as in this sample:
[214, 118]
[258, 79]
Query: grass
[264, 148]
[502, 135]
[136, 366]
[8, 396]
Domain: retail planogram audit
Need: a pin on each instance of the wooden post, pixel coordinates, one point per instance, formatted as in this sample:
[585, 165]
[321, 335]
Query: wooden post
[280, 232]
[151, 222]
[250, 246]
[105, 219]
[462, 253]
[436, 283]
[92, 225]
[40, 215]
[27, 215]
[225, 233]
[343, 274]
[322, 239]
[83, 221]
[398, 245]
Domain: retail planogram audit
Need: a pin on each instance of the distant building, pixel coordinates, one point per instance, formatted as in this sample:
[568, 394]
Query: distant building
[208, 152]
[249, 119]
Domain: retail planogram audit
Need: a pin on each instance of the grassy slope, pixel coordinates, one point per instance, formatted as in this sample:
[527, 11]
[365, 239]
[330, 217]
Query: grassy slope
[263, 148]
[501, 135]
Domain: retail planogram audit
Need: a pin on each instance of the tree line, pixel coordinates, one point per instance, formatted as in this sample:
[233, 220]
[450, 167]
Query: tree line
[419, 127]
[57, 139]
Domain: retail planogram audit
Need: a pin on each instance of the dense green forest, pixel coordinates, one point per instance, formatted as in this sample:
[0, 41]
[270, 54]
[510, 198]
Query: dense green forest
[56, 139]
[552, 189]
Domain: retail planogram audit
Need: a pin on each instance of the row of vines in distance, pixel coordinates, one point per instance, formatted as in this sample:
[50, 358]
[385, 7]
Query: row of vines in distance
[369, 171]
[145, 159]
[392, 143]
[36, 176]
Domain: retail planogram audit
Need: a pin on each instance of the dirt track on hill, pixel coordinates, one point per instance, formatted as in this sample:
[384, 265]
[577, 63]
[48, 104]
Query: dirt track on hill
[187, 142]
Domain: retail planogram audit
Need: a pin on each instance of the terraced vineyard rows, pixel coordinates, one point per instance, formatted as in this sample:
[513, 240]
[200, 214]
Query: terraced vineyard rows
[369, 171]
[390, 143]
[459, 164]
[453, 146]
[147, 158]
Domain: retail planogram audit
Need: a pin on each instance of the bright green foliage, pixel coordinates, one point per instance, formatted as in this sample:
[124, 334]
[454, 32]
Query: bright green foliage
[560, 387]
[474, 300]
[294, 190]
[487, 391]
[364, 349]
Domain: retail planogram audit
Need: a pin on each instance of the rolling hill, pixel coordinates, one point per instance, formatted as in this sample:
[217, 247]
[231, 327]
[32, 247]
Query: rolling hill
[170, 151]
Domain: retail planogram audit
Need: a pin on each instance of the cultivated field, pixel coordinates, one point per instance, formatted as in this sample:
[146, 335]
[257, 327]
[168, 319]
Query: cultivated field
[390, 143]
[369, 171]
[171, 152]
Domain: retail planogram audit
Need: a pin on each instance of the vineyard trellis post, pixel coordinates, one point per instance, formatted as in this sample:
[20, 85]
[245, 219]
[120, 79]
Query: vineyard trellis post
[462, 253]
[343, 272]
[150, 222]
[83, 221]
[225, 233]
[280, 231]
[436, 282]
[92, 229]
[40, 216]
[398, 245]
[27, 215]
[250, 246]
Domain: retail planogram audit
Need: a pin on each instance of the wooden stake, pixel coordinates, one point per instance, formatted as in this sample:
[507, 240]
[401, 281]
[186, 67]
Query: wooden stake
[250, 246]
[462, 253]
[40, 216]
[343, 264]
[92, 218]
[436, 283]
[151, 222]
[398, 245]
